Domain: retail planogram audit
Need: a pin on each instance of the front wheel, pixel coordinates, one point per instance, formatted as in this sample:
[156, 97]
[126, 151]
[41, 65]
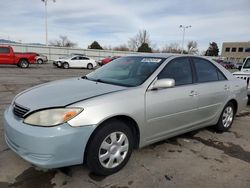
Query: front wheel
[226, 118]
[110, 148]
[23, 63]
[65, 65]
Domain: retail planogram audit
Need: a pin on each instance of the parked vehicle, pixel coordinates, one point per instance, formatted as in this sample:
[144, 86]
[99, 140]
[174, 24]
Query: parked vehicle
[238, 65]
[244, 74]
[129, 103]
[40, 58]
[23, 60]
[75, 61]
[107, 60]
[228, 64]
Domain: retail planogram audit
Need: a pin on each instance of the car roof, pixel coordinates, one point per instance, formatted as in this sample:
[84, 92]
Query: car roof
[167, 55]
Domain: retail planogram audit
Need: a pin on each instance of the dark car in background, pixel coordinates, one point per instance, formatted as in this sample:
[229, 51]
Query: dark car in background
[228, 64]
[107, 60]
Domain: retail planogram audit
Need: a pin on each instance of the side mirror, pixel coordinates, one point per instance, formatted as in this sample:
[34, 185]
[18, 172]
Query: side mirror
[163, 84]
[239, 67]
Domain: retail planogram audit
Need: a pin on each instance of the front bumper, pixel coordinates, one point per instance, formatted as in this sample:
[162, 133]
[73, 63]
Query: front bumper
[46, 147]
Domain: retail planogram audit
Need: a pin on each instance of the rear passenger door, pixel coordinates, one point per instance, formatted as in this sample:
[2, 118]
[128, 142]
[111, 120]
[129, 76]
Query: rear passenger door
[84, 61]
[212, 89]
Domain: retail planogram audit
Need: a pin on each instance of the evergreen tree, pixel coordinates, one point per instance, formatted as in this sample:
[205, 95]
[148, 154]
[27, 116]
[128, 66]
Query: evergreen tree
[212, 50]
[145, 48]
[95, 45]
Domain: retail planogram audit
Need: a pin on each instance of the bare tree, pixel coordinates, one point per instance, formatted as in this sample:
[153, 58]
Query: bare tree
[122, 47]
[141, 37]
[172, 48]
[63, 41]
[192, 47]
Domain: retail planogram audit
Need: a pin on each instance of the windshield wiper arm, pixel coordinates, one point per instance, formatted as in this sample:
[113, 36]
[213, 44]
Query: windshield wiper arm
[85, 77]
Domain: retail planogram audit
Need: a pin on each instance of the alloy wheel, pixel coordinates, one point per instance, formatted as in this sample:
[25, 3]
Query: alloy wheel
[227, 117]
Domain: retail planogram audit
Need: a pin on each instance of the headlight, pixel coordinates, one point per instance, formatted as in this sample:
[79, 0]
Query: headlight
[52, 117]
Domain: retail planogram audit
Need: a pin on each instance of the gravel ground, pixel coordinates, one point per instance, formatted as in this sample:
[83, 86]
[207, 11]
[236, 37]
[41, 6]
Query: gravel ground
[202, 158]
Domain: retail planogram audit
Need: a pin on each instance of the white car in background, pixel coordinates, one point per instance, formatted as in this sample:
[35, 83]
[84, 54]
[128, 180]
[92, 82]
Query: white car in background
[75, 61]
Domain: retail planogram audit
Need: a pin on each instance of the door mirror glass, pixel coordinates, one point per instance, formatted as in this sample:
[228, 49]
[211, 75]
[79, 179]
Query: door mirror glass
[163, 83]
[239, 67]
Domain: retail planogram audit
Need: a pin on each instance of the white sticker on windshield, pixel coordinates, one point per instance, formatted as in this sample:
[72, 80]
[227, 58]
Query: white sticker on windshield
[151, 60]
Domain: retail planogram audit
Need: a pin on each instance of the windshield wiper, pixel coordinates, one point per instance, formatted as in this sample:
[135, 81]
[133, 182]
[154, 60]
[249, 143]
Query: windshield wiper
[94, 80]
[85, 77]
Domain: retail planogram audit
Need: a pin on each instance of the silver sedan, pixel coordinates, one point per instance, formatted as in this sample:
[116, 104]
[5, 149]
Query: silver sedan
[131, 102]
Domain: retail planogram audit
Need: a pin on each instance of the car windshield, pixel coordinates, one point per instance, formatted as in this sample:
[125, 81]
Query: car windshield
[247, 64]
[126, 71]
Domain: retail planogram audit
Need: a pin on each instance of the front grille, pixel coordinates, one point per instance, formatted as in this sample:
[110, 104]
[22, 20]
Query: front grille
[20, 111]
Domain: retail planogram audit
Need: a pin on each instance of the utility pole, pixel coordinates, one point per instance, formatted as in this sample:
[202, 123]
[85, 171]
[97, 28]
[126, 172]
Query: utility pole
[46, 20]
[183, 27]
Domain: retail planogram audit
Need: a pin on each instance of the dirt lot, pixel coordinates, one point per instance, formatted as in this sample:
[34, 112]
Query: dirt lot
[199, 159]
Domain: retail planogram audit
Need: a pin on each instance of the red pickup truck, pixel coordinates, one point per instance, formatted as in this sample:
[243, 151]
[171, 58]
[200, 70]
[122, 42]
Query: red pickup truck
[22, 60]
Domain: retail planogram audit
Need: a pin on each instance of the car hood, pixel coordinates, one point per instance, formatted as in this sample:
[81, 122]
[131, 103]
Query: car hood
[63, 93]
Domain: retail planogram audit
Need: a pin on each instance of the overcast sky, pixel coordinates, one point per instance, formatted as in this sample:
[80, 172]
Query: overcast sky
[113, 22]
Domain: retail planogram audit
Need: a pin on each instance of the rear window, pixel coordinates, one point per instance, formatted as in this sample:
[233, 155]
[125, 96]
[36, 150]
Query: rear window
[4, 50]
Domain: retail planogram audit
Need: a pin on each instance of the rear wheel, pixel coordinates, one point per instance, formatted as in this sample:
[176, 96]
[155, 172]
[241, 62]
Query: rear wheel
[65, 65]
[110, 148]
[226, 118]
[23, 63]
[90, 66]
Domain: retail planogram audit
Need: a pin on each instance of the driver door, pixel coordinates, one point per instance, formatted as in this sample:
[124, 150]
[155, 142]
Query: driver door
[172, 110]
[75, 61]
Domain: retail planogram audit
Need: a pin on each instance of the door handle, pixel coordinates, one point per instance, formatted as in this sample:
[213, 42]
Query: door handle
[226, 87]
[193, 93]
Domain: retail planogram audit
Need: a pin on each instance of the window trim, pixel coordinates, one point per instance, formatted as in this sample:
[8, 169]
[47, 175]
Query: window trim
[234, 49]
[218, 70]
[192, 71]
[242, 49]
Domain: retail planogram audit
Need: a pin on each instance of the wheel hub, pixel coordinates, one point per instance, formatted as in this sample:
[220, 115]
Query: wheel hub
[113, 150]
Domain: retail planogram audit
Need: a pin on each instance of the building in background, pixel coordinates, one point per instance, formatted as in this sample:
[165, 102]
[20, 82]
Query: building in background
[235, 51]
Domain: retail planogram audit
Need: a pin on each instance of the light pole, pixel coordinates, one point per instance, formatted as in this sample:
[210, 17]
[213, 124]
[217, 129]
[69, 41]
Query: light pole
[46, 22]
[183, 27]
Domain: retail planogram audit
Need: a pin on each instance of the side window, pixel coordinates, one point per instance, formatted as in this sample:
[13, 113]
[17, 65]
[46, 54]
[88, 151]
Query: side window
[178, 69]
[4, 50]
[206, 71]
[85, 58]
[221, 76]
[75, 58]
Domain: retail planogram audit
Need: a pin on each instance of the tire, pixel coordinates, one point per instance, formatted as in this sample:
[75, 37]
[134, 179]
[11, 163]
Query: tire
[226, 118]
[65, 65]
[39, 61]
[90, 66]
[23, 63]
[104, 149]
